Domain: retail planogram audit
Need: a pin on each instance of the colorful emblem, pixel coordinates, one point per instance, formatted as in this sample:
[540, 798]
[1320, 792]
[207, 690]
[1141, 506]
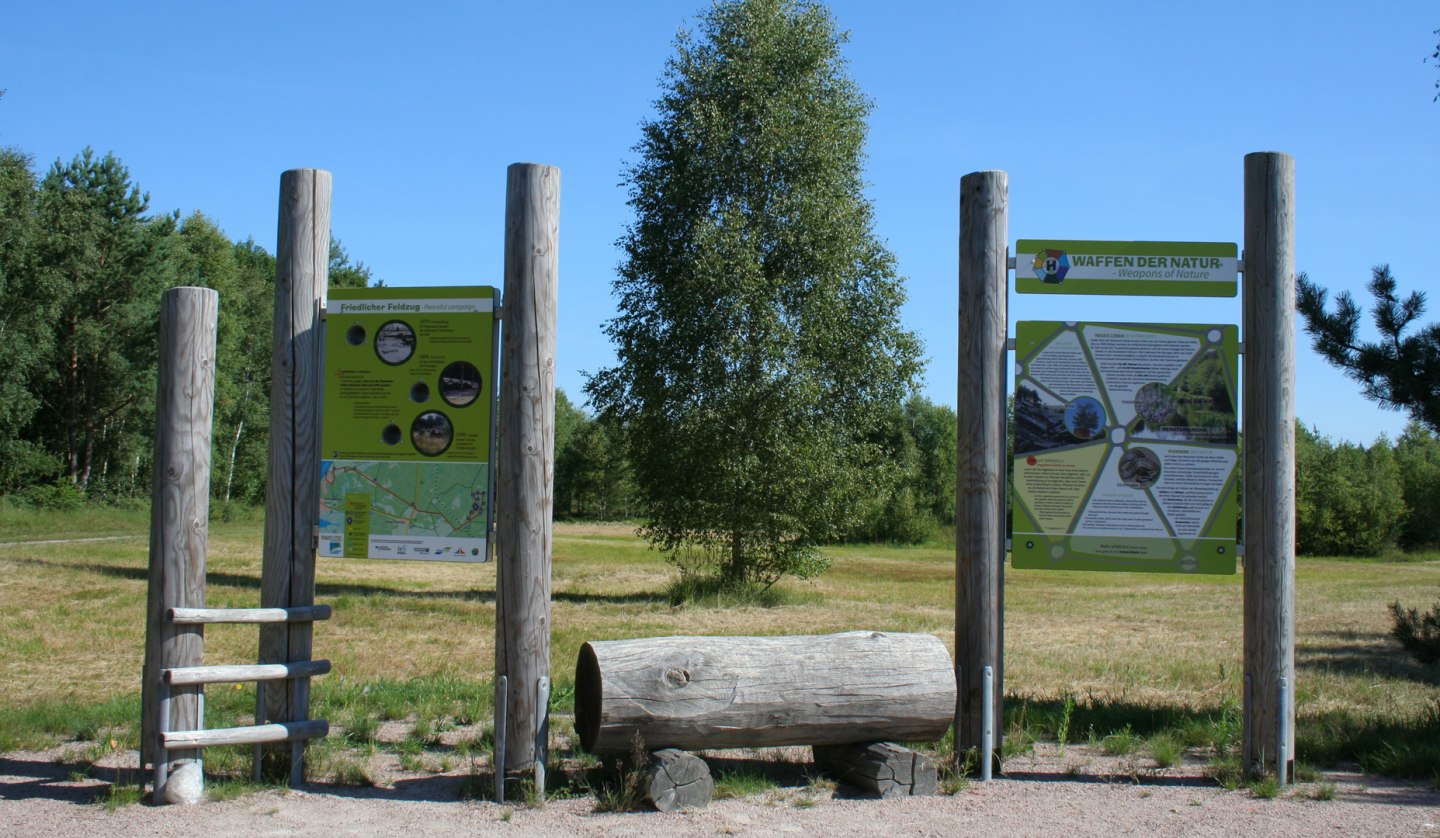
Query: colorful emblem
[1051, 266]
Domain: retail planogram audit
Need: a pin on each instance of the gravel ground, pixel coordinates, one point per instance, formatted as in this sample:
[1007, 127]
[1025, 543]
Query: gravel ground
[1078, 794]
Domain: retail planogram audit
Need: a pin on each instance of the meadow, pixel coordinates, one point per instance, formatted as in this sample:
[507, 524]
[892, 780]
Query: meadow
[1088, 655]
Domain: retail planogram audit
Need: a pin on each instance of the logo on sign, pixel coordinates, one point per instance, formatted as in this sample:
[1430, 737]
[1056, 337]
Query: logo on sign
[1051, 265]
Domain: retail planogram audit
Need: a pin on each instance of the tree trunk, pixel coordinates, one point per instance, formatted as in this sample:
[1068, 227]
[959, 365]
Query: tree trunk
[725, 692]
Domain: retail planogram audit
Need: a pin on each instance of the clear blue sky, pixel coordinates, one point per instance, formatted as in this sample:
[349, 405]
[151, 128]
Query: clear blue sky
[1113, 120]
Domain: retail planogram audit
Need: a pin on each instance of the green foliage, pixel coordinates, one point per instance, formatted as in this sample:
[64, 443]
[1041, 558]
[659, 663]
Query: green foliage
[1419, 633]
[592, 477]
[26, 328]
[101, 263]
[1417, 453]
[1349, 500]
[758, 338]
[82, 269]
[1398, 372]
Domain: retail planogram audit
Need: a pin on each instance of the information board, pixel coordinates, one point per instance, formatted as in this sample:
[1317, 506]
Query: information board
[407, 432]
[1166, 269]
[1125, 447]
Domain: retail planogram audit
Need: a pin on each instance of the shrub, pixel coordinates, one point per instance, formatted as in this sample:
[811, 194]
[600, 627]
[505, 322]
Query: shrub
[1418, 633]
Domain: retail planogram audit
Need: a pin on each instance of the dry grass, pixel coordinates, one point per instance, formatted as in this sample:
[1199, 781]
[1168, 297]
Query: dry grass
[73, 630]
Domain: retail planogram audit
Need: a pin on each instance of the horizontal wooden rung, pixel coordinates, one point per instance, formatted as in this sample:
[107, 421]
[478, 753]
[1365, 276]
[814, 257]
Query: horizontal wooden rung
[251, 735]
[250, 672]
[196, 616]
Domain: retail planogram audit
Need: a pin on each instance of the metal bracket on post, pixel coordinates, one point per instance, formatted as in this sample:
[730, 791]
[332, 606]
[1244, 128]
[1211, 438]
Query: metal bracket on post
[542, 707]
[987, 723]
[1282, 751]
[162, 727]
[502, 706]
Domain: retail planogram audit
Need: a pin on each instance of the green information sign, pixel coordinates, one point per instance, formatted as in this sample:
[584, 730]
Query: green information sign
[1125, 447]
[407, 430]
[1166, 269]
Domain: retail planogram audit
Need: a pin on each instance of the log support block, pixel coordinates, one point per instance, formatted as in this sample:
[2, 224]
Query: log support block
[676, 780]
[883, 768]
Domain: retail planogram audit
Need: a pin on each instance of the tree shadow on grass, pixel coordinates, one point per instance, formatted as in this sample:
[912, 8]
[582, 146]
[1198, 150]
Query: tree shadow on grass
[67, 781]
[332, 590]
[1364, 654]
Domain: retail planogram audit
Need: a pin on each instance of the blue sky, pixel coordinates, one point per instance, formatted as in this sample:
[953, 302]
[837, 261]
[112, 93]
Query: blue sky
[1114, 121]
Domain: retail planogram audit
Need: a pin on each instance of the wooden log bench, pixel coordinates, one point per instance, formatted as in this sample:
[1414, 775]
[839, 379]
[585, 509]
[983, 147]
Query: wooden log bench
[701, 693]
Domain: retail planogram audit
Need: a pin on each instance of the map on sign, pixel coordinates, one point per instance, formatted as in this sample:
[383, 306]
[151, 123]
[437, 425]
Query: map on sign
[408, 510]
[406, 431]
[1125, 447]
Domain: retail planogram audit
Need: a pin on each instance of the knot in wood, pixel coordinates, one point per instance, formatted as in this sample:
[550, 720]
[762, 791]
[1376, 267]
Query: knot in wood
[676, 677]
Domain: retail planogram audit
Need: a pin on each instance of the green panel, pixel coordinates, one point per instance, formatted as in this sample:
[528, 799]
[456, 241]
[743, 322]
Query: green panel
[407, 426]
[1125, 447]
[1168, 269]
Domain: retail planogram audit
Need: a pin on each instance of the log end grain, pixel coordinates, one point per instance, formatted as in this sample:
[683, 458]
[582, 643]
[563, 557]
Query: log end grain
[676, 780]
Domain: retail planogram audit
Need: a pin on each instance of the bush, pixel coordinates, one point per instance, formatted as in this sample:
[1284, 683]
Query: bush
[64, 497]
[1418, 633]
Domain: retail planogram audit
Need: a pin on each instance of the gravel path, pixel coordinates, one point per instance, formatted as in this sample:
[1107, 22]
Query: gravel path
[1079, 794]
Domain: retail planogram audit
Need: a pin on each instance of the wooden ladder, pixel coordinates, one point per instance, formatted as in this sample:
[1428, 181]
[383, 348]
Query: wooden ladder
[295, 732]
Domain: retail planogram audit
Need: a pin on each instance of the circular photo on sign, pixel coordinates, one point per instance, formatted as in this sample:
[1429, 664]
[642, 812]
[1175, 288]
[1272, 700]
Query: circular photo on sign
[395, 342]
[420, 392]
[460, 383]
[1139, 468]
[355, 335]
[1084, 418]
[1155, 402]
[432, 432]
[391, 434]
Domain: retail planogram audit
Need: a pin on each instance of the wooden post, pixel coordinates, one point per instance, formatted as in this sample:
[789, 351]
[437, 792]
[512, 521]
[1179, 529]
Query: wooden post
[1269, 424]
[287, 577]
[980, 452]
[179, 512]
[526, 458]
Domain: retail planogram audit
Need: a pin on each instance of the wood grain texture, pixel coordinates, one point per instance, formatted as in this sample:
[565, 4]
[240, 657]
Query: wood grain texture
[1269, 425]
[197, 616]
[727, 692]
[248, 735]
[235, 673]
[882, 768]
[180, 505]
[676, 780]
[526, 453]
[287, 577]
[980, 450]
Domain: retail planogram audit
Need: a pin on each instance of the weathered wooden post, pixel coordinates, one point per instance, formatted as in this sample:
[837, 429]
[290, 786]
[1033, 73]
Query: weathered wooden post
[287, 579]
[980, 454]
[179, 525]
[526, 459]
[1269, 414]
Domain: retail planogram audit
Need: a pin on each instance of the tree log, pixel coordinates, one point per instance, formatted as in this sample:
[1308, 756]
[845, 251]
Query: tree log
[727, 692]
[884, 768]
[676, 780]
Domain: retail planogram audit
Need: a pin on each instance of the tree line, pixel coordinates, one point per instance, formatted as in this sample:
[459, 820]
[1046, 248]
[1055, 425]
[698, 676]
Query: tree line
[83, 263]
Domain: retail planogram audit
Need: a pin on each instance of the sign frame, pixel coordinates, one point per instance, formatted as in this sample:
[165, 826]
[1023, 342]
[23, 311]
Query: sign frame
[1104, 414]
[403, 400]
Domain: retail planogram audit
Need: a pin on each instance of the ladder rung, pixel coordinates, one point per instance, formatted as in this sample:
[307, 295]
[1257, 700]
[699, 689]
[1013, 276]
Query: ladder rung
[197, 616]
[251, 735]
[225, 674]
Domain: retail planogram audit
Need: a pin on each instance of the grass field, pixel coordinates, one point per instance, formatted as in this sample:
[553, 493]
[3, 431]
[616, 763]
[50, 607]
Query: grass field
[1087, 654]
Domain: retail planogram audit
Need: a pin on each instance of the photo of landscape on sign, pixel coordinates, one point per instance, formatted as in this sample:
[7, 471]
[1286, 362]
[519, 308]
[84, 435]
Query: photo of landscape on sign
[407, 428]
[1125, 447]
